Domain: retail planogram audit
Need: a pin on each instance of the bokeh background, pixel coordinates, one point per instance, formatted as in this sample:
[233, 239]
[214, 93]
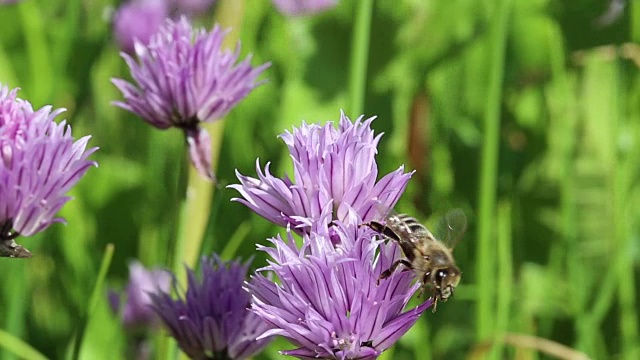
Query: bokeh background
[523, 113]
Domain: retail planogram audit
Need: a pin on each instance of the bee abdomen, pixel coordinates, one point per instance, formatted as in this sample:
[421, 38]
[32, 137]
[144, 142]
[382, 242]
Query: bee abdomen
[410, 223]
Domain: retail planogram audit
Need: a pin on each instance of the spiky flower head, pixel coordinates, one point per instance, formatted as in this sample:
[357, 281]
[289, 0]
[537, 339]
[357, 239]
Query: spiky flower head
[333, 167]
[184, 77]
[303, 7]
[40, 162]
[212, 321]
[328, 302]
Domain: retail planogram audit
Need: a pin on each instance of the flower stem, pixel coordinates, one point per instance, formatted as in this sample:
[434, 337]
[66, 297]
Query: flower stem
[199, 194]
[197, 205]
[196, 209]
[359, 57]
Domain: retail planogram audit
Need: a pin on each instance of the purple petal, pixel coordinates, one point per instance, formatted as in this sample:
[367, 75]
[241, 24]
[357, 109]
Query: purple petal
[213, 315]
[327, 302]
[397, 327]
[184, 75]
[39, 163]
[331, 166]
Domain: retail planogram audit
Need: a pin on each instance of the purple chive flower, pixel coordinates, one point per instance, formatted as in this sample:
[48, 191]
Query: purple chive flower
[327, 302]
[303, 7]
[138, 20]
[213, 321]
[184, 77]
[39, 163]
[137, 313]
[332, 167]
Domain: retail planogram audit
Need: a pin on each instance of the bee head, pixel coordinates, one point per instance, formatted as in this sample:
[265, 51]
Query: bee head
[445, 281]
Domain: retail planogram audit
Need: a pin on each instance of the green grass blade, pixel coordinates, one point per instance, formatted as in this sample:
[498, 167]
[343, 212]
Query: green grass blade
[16, 279]
[19, 347]
[236, 240]
[96, 295]
[623, 183]
[41, 83]
[505, 273]
[635, 20]
[485, 312]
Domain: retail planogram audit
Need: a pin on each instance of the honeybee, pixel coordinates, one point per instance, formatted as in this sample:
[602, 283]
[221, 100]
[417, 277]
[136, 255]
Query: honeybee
[429, 258]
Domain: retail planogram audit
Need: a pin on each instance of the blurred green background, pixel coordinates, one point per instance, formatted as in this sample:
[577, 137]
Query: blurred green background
[524, 113]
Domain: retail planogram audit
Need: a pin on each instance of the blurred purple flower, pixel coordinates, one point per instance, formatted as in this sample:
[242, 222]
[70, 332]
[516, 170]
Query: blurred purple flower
[332, 168]
[137, 313]
[191, 7]
[39, 163]
[138, 20]
[184, 77]
[327, 301]
[213, 320]
[303, 7]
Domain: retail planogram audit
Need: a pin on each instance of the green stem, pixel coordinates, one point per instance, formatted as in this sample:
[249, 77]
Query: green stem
[359, 57]
[197, 206]
[196, 209]
[485, 312]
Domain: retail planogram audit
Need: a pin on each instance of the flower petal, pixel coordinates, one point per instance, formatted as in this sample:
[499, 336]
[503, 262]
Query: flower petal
[200, 152]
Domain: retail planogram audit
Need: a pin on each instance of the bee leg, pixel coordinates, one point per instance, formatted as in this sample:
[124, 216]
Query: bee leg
[435, 304]
[385, 274]
[379, 228]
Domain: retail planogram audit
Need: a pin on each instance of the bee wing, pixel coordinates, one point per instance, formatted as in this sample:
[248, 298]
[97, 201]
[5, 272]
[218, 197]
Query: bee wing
[451, 227]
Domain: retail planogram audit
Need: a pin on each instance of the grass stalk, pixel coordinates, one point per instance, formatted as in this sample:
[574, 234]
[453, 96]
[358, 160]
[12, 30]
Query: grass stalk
[359, 57]
[562, 103]
[623, 177]
[485, 311]
[96, 295]
[635, 20]
[505, 274]
[18, 347]
[238, 237]
[16, 310]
